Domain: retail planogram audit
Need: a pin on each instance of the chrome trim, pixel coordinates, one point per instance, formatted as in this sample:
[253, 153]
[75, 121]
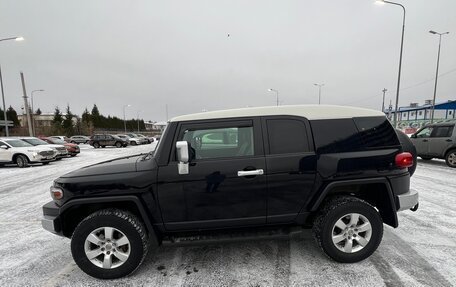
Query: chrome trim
[250, 172]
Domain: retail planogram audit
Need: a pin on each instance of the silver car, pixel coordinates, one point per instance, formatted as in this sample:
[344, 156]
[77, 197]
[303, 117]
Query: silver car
[436, 141]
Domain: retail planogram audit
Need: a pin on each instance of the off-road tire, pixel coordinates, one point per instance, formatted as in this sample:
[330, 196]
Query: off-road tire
[124, 221]
[337, 207]
[448, 159]
[22, 161]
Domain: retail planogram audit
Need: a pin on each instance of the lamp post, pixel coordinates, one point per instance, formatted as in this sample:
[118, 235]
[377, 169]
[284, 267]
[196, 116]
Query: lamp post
[137, 117]
[125, 123]
[33, 110]
[436, 72]
[383, 102]
[400, 57]
[17, 39]
[277, 94]
[319, 91]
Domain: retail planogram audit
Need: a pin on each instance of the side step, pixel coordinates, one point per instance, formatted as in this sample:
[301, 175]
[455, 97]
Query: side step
[218, 237]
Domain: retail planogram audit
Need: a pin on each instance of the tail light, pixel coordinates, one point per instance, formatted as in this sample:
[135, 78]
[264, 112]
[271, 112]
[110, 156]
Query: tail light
[404, 160]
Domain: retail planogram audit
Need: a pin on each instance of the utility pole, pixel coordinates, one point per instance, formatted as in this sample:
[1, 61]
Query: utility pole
[383, 102]
[436, 72]
[27, 111]
[137, 117]
[4, 107]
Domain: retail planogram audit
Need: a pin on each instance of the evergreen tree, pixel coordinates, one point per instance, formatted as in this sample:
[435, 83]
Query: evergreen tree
[38, 111]
[68, 122]
[96, 117]
[57, 121]
[12, 116]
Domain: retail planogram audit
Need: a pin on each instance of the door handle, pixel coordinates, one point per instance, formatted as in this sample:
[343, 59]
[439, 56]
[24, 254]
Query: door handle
[250, 172]
[448, 140]
[425, 141]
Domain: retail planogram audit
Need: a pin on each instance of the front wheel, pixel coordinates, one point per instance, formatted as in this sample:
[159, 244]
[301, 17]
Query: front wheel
[118, 144]
[450, 158]
[21, 161]
[96, 145]
[348, 229]
[109, 244]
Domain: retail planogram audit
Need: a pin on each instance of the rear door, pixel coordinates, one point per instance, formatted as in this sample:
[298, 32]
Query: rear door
[217, 192]
[440, 140]
[291, 164]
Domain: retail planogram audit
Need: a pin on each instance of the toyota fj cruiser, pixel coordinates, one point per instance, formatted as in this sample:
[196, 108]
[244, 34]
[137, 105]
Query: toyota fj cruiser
[339, 170]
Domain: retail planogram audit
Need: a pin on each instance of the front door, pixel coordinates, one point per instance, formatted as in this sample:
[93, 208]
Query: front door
[5, 154]
[217, 192]
[421, 141]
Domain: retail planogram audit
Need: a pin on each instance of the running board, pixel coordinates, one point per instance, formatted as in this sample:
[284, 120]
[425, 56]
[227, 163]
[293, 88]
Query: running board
[218, 237]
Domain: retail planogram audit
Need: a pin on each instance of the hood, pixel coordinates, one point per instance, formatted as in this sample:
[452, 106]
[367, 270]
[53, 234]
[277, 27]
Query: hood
[119, 165]
[36, 148]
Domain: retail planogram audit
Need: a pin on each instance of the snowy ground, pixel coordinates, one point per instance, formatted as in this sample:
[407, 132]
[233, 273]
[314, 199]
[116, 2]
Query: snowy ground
[421, 252]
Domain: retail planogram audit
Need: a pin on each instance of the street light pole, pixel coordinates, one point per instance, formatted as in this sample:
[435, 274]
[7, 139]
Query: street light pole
[319, 92]
[137, 117]
[383, 102]
[1, 84]
[436, 72]
[125, 123]
[33, 110]
[277, 94]
[400, 58]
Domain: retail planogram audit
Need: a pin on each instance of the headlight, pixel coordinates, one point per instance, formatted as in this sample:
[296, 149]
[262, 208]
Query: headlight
[56, 193]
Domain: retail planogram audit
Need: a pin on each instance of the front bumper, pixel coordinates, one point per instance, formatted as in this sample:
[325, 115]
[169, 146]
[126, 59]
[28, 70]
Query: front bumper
[51, 220]
[407, 200]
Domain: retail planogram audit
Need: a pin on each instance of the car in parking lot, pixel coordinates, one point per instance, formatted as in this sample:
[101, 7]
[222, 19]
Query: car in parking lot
[142, 140]
[130, 140]
[63, 138]
[73, 149]
[104, 140]
[60, 148]
[17, 151]
[436, 141]
[79, 139]
[148, 140]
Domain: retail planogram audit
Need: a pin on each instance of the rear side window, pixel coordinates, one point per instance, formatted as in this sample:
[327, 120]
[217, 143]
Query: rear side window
[376, 132]
[333, 136]
[442, 132]
[287, 136]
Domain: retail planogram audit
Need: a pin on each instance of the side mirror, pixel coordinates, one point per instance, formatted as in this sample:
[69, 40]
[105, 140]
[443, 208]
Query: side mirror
[4, 147]
[183, 156]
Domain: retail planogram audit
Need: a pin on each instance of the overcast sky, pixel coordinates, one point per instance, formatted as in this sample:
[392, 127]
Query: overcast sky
[152, 53]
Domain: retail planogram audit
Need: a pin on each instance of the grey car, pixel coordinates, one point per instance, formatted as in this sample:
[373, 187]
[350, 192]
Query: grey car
[79, 139]
[436, 141]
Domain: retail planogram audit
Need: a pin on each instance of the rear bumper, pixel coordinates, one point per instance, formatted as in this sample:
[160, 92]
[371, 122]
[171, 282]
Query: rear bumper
[407, 200]
[51, 220]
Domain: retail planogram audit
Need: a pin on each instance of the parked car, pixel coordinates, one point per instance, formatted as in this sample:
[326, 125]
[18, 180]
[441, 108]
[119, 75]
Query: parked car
[104, 140]
[145, 138]
[59, 148]
[131, 141]
[135, 136]
[63, 138]
[79, 139]
[14, 150]
[73, 149]
[436, 141]
[340, 170]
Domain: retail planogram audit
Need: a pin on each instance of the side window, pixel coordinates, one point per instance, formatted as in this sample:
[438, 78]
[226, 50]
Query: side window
[376, 131]
[220, 142]
[424, 133]
[2, 143]
[442, 132]
[287, 136]
[332, 136]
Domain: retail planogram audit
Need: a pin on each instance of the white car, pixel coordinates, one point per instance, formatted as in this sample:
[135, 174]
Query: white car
[59, 148]
[14, 150]
[130, 140]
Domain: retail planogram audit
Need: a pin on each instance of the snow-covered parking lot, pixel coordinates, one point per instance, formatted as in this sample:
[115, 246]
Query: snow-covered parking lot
[421, 252]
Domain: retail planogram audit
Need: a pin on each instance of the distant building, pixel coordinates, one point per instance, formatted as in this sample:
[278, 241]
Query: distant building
[415, 116]
[155, 126]
[43, 120]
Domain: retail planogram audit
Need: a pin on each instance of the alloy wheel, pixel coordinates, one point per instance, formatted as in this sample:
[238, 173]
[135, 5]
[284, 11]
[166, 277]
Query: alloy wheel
[351, 233]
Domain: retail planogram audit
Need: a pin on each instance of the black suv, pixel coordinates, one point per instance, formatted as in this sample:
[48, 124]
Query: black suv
[104, 140]
[339, 170]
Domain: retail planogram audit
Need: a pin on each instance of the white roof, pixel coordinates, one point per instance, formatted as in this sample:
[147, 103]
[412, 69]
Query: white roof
[311, 112]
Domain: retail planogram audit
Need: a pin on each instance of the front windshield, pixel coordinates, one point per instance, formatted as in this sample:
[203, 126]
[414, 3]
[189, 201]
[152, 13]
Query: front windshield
[56, 141]
[35, 141]
[18, 143]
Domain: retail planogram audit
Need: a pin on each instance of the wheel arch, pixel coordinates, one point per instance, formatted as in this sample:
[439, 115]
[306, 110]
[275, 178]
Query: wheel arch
[376, 191]
[74, 211]
[18, 154]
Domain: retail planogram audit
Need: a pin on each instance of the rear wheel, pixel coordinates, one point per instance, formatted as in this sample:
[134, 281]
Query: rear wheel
[22, 161]
[118, 144]
[133, 143]
[450, 158]
[109, 244]
[348, 229]
[96, 145]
